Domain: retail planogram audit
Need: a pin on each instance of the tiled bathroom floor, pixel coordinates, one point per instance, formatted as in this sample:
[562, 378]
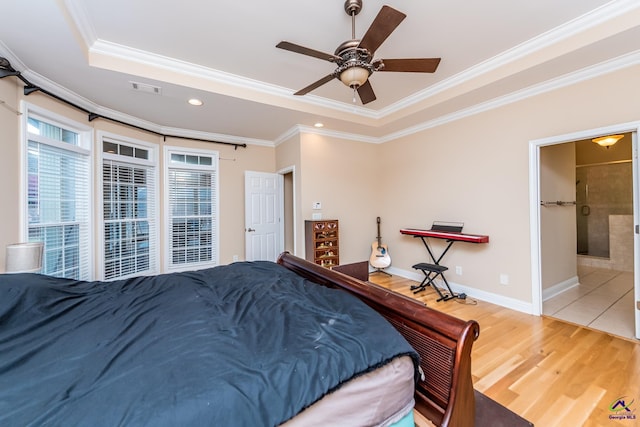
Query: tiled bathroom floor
[603, 301]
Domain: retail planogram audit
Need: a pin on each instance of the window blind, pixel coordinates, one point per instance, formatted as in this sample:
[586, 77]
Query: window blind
[192, 210]
[129, 225]
[58, 208]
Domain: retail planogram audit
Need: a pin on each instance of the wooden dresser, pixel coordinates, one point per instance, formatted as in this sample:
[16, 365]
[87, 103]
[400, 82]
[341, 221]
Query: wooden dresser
[322, 242]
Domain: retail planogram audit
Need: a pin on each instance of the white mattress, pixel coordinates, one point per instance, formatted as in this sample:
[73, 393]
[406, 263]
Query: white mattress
[378, 398]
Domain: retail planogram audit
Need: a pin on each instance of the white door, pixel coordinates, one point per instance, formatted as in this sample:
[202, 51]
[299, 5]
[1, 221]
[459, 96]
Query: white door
[264, 236]
[636, 235]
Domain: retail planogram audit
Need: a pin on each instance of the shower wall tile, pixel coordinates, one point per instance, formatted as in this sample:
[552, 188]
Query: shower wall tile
[621, 242]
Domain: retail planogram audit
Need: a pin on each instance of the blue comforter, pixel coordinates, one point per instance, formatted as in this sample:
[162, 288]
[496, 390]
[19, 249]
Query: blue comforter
[249, 344]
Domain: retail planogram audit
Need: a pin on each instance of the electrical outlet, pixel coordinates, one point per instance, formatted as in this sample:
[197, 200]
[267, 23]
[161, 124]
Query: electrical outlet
[458, 270]
[235, 258]
[316, 216]
[317, 205]
[504, 279]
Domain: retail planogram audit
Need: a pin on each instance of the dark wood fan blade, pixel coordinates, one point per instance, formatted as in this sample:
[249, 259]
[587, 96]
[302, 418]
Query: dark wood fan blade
[387, 20]
[411, 65]
[315, 85]
[366, 93]
[306, 51]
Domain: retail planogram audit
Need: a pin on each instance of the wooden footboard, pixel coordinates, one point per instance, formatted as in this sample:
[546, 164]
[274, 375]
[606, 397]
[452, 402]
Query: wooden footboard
[445, 395]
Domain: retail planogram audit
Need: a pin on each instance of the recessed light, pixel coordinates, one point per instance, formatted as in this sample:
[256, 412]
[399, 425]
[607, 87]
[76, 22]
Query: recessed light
[319, 125]
[196, 102]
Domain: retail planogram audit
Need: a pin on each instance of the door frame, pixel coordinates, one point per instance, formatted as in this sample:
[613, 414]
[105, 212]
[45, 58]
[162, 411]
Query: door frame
[534, 206]
[294, 220]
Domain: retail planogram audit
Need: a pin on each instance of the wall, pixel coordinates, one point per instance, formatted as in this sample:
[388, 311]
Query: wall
[288, 158]
[346, 178]
[609, 193]
[621, 235]
[558, 223]
[233, 163]
[9, 165]
[472, 171]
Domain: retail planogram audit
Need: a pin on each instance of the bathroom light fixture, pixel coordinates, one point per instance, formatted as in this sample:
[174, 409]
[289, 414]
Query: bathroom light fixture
[607, 141]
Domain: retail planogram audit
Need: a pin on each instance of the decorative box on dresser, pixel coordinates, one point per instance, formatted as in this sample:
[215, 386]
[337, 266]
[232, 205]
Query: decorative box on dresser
[322, 242]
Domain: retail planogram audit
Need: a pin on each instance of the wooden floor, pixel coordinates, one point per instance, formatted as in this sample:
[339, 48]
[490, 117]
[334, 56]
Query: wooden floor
[551, 372]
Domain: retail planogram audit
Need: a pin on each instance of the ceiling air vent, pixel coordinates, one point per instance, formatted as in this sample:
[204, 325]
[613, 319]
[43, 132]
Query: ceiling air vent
[146, 88]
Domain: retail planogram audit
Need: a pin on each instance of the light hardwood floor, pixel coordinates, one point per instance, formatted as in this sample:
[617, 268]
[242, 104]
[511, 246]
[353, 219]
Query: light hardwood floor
[549, 371]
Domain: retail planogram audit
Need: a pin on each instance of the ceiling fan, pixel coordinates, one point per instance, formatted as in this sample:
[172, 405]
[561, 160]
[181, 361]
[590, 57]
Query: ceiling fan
[354, 57]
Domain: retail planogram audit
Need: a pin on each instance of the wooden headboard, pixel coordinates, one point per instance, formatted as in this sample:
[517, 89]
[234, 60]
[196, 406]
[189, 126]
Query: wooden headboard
[445, 395]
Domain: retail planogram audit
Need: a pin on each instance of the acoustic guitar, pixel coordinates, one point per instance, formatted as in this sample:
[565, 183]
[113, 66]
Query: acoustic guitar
[380, 257]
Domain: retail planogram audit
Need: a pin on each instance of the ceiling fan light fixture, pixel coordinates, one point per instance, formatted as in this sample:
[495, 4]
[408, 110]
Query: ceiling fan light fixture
[354, 57]
[607, 141]
[354, 77]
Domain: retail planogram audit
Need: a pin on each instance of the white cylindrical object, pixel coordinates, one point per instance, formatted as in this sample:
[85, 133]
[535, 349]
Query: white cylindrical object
[24, 257]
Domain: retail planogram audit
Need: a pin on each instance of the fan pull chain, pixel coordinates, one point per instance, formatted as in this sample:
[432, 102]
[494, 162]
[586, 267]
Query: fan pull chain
[354, 94]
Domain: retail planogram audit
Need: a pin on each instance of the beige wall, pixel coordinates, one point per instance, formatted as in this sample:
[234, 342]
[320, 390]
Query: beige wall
[344, 176]
[472, 171]
[288, 158]
[558, 223]
[9, 165]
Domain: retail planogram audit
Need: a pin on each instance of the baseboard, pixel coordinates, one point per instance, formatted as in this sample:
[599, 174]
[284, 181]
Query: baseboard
[501, 300]
[559, 288]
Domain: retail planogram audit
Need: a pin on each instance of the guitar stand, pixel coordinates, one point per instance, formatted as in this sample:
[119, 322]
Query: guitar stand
[380, 270]
[432, 272]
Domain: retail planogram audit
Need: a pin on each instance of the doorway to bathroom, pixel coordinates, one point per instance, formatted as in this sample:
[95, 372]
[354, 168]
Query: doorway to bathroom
[584, 223]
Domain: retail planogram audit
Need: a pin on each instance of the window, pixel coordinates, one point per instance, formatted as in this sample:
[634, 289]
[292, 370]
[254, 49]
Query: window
[58, 201]
[128, 206]
[192, 208]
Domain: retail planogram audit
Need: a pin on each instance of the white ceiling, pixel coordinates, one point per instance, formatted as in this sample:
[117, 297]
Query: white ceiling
[223, 52]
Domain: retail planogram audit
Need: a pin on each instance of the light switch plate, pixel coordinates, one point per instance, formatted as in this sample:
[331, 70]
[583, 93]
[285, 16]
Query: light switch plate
[317, 205]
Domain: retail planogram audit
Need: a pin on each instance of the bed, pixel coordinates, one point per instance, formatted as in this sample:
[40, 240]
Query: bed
[251, 343]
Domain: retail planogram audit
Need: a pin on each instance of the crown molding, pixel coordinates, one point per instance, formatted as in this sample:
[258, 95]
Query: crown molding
[88, 105]
[579, 25]
[107, 49]
[16, 63]
[80, 18]
[546, 41]
[591, 72]
[569, 79]
[300, 129]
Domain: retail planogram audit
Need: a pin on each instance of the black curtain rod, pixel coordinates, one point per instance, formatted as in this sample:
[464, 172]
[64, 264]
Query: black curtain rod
[7, 70]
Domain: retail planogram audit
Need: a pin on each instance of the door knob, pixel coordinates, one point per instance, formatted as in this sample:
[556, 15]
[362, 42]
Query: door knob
[250, 230]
